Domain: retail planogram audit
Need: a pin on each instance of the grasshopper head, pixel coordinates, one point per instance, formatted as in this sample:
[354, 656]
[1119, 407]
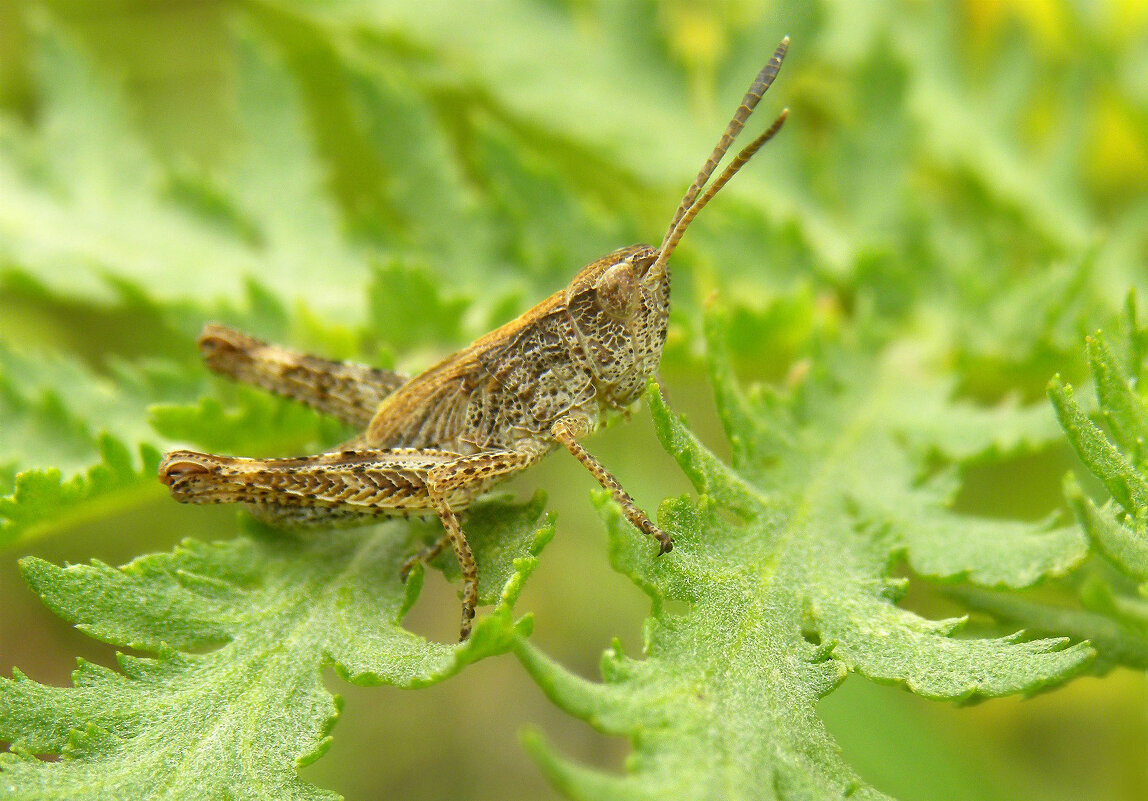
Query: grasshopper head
[621, 320]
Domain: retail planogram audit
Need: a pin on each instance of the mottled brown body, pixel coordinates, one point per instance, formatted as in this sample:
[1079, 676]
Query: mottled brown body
[563, 357]
[433, 443]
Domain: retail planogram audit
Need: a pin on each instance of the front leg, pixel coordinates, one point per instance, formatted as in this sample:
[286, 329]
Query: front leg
[566, 431]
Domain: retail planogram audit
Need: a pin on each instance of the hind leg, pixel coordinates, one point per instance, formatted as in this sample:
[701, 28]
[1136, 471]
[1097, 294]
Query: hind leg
[350, 392]
[352, 486]
[282, 516]
[367, 482]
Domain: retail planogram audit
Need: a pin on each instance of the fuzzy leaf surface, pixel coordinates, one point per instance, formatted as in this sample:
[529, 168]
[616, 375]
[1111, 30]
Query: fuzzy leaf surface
[783, 564]
[388, 180]
[1111, 446]
[233, 700]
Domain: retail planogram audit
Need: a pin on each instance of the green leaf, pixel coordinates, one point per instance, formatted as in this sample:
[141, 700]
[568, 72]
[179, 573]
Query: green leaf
[256, 424]
[43, 499]
[950, 206]
[76, 443]
[782, 573]
[80, 220]
[1115, 461]
[1127, 485]
[436, 319]
[233, 702]
[1116, 642]
[1122, 542]
[1125, 412]
[1117, 620]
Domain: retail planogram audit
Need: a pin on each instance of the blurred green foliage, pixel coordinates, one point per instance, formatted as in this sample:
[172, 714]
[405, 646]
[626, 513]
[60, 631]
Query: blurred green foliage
[960, 193]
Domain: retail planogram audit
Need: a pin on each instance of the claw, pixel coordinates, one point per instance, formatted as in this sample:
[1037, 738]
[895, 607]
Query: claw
[665, 542]
[407, 566]
[464, 629]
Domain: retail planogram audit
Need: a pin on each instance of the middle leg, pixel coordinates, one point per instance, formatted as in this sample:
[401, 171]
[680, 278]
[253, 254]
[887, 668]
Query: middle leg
[482, 469]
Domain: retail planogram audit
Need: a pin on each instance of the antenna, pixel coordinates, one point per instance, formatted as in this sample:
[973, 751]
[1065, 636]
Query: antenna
[691, 203]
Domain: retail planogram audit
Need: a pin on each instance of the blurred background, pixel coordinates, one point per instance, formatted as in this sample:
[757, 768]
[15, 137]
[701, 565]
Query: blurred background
[388, 180]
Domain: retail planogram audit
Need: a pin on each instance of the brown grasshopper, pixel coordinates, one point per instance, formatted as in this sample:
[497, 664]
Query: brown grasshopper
[432, 443]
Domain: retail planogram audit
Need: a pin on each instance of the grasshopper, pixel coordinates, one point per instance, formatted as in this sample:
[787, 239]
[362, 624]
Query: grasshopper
[431, 444]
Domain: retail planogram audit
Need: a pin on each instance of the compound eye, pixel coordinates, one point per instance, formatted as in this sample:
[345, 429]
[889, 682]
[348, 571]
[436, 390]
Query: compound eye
[615, 290]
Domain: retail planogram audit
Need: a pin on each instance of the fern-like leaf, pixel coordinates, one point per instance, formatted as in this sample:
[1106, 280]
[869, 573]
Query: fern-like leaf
[783, 566]
[233, 700]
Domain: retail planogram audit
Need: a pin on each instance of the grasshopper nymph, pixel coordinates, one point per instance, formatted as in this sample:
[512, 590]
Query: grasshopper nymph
[432, 443]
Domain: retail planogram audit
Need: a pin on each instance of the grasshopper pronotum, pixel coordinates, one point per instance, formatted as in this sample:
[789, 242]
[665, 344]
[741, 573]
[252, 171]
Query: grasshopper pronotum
[432, 443]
